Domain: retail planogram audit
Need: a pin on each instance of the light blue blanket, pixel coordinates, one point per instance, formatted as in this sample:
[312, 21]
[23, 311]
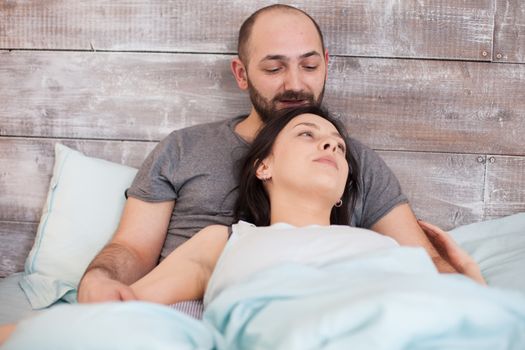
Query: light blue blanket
[387, 300]
[392, 299]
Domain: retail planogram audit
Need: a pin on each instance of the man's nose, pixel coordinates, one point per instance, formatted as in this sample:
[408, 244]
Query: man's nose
[293, 80]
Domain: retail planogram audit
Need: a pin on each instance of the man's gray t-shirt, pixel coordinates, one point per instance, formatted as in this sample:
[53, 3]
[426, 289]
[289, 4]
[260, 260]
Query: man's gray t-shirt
[195, 167]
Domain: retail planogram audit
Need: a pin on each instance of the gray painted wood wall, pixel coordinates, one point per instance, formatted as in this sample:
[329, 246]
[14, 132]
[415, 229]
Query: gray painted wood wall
[436, 86]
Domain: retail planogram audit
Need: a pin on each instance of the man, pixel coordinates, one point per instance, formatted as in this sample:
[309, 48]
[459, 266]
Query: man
[186, 183]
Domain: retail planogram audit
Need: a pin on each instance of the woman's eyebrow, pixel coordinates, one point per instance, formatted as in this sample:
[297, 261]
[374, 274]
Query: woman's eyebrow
[315, 126]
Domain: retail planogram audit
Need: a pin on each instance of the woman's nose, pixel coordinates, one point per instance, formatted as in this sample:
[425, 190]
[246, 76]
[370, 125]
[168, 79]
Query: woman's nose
[329, 144]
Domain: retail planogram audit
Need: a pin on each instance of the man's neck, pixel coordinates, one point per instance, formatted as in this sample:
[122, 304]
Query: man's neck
[248, 128]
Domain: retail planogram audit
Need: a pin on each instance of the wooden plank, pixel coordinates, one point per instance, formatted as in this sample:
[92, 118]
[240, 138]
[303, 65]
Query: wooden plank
[27, 165]
[385, 28]
[412, 105]
[17, 239]
[509, 31]
[445, 189]
[113, 96]
[409, 28]
[505, 186]
[441, 106]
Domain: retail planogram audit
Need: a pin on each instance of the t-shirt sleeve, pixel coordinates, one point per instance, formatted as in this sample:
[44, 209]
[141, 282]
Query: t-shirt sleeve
[154, 180]
[380, 189]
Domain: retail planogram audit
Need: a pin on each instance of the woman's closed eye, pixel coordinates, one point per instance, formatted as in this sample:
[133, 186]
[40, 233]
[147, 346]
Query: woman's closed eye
[306, 134]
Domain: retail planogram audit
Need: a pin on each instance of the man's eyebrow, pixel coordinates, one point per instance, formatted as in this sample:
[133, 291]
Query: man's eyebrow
[310, 54]
[275, 58]
[285, 58]
[315, 126]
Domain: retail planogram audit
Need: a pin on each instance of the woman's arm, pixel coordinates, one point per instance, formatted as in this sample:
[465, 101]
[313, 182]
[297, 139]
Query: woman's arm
[5, 332]
[184, 274]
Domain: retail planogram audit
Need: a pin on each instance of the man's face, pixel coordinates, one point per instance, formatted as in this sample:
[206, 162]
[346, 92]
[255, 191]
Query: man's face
[286, 63]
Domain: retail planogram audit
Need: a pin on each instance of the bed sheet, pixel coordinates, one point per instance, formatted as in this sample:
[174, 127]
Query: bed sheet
[392, 299]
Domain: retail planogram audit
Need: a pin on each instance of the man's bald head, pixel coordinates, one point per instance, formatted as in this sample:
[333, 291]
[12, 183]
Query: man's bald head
[247, 26]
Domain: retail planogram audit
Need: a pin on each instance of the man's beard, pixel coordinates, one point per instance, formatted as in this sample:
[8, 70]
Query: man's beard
[268, 108]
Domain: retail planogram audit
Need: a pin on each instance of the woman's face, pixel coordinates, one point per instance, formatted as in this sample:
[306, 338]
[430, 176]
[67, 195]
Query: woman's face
[309, 155]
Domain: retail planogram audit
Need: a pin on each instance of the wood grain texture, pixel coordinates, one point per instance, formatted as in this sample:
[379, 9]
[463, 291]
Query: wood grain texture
[421, 105]
[17, 239]
[450, 127]
[509, 31]
[505, 186]
[26, 166]
[392, 104]
[132, 96]
[408, 28]
[445, 189]
[385, 28]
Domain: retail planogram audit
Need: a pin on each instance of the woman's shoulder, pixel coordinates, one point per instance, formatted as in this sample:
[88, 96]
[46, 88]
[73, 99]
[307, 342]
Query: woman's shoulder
[243, 228]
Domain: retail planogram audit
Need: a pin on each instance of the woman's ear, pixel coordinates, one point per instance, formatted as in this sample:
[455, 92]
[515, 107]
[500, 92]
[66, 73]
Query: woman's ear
[263, 171]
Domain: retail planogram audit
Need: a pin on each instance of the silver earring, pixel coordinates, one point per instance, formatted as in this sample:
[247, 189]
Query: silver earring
[339, 203]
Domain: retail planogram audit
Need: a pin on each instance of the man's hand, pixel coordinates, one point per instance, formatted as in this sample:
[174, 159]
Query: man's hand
[131, 254]
[452, 253]
[401, 224]
[97, 287]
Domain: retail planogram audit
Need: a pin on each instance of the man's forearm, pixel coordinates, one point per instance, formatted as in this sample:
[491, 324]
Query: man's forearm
[437, 256]
[442, 265]
[119, 263]
[401, 224]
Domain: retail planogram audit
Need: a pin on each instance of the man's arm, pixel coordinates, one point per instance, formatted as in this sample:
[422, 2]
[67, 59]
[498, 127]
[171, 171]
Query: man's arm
[401, 224]
[452, 252]
[133, 252]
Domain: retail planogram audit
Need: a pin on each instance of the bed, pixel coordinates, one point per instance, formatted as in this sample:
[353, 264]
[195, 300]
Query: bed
[89, 94]
[317, 293]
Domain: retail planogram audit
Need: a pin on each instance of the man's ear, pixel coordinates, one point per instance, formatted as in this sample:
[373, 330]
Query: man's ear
[239, 72]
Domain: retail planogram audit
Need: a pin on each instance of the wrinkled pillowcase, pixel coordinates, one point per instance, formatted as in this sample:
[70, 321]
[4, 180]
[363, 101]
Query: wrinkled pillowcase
[81, 213]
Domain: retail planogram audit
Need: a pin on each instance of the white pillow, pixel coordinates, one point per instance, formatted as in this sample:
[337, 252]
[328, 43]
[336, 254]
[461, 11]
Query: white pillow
[81, 213]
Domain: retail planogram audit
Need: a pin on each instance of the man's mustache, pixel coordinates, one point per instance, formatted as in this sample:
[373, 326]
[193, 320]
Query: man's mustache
[291, 95]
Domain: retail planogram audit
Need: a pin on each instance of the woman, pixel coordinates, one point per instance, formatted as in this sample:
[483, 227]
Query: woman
[273, 189]
[298, 173]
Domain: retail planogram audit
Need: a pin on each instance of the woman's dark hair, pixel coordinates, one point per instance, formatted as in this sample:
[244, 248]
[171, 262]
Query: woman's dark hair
[253, 203]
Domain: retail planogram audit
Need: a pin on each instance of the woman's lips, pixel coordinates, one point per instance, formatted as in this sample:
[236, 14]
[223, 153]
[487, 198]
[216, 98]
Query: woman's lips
[327, 160]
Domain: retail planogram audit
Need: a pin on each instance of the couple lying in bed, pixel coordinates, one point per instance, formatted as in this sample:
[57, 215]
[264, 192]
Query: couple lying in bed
[297, 186]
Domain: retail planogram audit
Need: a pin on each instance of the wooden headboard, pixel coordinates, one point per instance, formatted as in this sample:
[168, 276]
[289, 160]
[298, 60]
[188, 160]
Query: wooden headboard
[437, 87]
